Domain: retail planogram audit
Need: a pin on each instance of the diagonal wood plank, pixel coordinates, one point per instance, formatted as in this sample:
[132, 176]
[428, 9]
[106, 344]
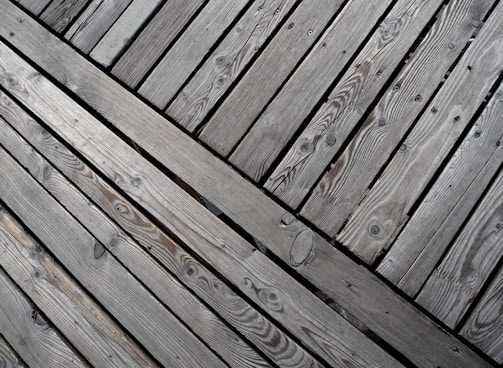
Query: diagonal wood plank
[8, 357]
[372, 302]
[227, 62]
[66, 304]
[34, 6]
[238, 111]
[60, 13]
[333, 123]
[346, 183]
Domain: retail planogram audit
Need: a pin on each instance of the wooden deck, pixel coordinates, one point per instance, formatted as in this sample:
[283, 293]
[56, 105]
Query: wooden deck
[251, 183]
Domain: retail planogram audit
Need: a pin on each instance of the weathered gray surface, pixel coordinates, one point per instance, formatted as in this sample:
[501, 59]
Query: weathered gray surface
[8, 357]
[60, 13]
[34, 6]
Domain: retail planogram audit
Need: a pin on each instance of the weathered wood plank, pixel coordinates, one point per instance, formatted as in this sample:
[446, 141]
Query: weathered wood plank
[156, 37]
[119, 36]
[170, 342]
[329, 129]
[171, 292]
[8, 357]
[60, 13]
[189, 50]
[313, 322]
[94, 22]
[372, 302]
[266, 75]
[226, 63]
[342, 188]
[424, 240]
[34, 6]
[66, 304]
[277, 124]
[485, 324]
[455, 283]
[247, 320]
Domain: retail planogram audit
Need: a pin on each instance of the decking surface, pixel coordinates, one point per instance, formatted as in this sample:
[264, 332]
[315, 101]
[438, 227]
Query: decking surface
[245, 183]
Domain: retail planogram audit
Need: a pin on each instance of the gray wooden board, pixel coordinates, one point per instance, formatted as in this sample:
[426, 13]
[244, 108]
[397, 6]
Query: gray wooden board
[227, 62]
[483, 327]
[189, 50]
[318, 326]
[154, 40]
[328, 130]
[340, 190]
[380, 216]
[94, 22]
[425, 237]
[65, 304]
[370, 300]
[201, 320]
[270, 70]
[276, 125]
[456, 282]
[34, 6]
[247, 320]
[170, 342]
[8, 357]
[60, 13]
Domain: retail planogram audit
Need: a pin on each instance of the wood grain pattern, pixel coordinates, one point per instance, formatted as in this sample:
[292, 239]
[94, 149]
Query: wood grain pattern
[60, 13]
[346, 183]
[319, 327]
[155, 38]
[34, 6]
[239, 110]
[125, 298]
[189, 50]
[224, 65]
[94, 22]
[424, 240]
[8, 357]
[66, 304]
[120, 34]
[372, 302]
[455, 283]
[385, 207]
[276, 125]
[485, 324]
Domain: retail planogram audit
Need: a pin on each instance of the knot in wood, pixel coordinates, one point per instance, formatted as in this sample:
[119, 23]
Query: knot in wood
[306, 147]
[331, 140]
[286, 219]
[302, 249]
[375, 230]
[388, 30]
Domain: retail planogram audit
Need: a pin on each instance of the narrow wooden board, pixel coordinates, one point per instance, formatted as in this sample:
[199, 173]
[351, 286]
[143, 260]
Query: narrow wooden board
[161, 31]
[456, 282]
[201, 320]
[380, 216]
[271, 340]
[227, 62]
[332, 124]
[60, 13]
[369, 300]
[164, 336]
[94, 22]
[119, 36]
[189, 50]
[267, 74]
[319, 327]
[34, 6]
[8, 357]
[485, 324]
[276, 125]
[68, 307]
[342, 188]
[424, 240]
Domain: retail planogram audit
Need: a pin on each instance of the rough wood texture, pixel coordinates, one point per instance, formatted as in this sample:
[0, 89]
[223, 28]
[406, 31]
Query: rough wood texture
[342, 188]
[170, 342]
[373, 303]
[189, 50]
[485, 324]
[226, 63]
[318, 326]
[94, 22]
[266, 75]
[34, 6]
[156, 37]
[8, 357]
[455, 283]
[68, 307]
[119, 36]
[60, 13]
[425, 238]
[280, 120]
